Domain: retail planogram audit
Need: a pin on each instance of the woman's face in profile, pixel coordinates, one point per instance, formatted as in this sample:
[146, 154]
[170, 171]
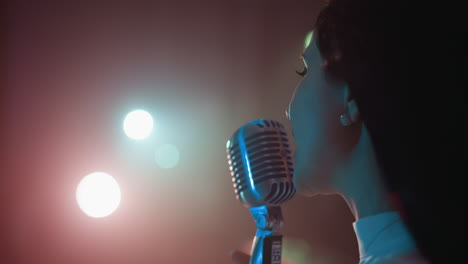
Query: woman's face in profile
[314, 112]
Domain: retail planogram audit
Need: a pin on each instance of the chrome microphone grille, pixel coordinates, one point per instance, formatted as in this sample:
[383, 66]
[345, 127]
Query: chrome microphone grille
[261, 165]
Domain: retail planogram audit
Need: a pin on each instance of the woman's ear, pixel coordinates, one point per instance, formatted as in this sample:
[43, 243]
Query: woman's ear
[351, 110]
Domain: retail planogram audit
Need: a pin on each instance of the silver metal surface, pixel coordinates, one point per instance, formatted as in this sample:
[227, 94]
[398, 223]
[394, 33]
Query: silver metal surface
[261, 163]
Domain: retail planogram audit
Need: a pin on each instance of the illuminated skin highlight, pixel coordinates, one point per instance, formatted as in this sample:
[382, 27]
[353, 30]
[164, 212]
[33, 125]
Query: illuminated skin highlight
[331, 158]
[308, 39]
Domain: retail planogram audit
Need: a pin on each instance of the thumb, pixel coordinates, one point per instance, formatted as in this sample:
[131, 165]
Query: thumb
[240, 257]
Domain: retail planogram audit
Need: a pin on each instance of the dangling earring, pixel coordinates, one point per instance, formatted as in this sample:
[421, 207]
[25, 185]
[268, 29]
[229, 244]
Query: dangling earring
[345, 120]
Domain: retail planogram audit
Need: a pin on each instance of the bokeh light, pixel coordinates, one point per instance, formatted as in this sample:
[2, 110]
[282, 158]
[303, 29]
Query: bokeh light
[98, 194]
[167, 156]
[138, 124]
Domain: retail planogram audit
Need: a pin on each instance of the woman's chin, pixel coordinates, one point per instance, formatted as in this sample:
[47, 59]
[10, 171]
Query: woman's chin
[304, 189]
[307, 192]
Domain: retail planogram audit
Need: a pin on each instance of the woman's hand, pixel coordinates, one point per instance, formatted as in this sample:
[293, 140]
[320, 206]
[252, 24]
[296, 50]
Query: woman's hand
[239, 257]
[295, 251]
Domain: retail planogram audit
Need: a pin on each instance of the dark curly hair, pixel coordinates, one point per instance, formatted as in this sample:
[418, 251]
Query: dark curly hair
[395, 69]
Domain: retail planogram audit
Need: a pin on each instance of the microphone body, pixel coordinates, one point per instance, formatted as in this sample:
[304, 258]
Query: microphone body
[262, 168]
[261, 165]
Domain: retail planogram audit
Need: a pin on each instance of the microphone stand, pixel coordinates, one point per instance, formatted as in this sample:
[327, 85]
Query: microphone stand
[266, 247]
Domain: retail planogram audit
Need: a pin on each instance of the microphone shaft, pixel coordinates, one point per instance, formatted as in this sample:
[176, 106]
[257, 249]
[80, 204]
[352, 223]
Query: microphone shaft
[267, 244]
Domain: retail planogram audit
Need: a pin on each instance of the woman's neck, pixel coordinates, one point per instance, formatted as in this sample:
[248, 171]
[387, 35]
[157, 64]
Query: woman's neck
[360, 180]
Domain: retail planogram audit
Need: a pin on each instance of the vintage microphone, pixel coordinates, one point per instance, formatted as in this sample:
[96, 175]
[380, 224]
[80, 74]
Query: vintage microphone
[261, 166]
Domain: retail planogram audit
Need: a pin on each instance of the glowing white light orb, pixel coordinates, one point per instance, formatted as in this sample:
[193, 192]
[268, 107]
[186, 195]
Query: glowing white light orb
[138, 124]
[98, 194]
[167, 156]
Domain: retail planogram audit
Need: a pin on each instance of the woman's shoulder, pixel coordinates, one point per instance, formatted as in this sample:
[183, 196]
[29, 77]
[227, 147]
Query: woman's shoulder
[412, 258]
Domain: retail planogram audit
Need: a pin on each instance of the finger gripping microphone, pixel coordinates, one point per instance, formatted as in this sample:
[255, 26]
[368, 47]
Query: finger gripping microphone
[261, 167]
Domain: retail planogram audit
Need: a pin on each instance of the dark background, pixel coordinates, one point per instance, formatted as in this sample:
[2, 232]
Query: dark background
[202, 68]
